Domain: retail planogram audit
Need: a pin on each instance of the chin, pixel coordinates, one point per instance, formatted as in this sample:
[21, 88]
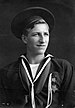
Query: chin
[40, 52]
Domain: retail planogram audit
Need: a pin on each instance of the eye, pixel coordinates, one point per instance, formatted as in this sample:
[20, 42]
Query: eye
[35, 34]
[46, 34]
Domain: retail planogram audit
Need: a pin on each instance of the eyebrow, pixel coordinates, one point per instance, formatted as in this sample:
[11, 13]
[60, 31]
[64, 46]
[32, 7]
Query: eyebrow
[39, 33]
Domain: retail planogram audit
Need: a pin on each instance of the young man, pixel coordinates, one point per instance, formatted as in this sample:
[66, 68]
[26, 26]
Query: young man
[36, 79]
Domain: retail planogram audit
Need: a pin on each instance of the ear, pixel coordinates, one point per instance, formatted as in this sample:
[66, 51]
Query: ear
[24, 38]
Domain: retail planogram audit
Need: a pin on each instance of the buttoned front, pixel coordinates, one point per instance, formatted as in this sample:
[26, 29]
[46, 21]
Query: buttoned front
[5, 105]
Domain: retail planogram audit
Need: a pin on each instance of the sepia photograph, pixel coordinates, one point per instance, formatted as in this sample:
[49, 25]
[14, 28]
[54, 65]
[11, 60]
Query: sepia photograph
[37, 53]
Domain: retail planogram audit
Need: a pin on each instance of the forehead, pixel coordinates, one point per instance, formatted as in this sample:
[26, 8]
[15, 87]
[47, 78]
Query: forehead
[41, 27]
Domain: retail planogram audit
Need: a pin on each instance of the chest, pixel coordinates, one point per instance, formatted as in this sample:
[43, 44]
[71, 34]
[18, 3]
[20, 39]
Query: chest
[17, 92]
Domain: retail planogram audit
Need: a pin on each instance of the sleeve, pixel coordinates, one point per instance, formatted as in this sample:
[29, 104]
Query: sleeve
[68, 86]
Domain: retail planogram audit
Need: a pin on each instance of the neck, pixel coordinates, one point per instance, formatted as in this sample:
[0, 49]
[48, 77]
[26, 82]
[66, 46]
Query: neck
[35, 59]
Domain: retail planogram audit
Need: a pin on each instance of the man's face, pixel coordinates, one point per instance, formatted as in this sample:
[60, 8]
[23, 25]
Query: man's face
[38, 39]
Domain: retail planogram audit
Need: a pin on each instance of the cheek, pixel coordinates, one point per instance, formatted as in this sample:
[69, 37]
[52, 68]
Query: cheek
[47, 39]
[31, 41]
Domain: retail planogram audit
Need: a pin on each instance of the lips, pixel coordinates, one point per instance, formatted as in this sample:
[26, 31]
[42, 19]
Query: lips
[41, 46]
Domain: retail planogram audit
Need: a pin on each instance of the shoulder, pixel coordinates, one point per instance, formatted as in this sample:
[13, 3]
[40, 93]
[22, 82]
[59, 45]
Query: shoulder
[62, 63]
[63, 67]
[10, 68]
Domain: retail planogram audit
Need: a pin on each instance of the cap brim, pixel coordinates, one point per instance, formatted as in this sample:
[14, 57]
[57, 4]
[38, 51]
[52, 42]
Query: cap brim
[18, 22]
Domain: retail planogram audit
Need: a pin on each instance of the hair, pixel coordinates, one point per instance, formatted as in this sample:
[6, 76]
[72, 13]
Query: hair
[32, 22]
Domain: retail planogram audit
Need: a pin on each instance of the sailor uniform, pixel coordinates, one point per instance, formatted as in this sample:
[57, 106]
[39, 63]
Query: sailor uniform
[50, 88]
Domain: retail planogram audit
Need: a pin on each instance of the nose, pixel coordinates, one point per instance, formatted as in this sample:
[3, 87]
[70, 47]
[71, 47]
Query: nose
[42, 38]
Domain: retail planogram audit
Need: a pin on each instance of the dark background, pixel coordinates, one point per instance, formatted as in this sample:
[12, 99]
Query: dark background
[62, 43]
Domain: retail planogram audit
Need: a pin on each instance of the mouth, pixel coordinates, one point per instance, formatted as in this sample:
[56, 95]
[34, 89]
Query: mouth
[41, 45]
